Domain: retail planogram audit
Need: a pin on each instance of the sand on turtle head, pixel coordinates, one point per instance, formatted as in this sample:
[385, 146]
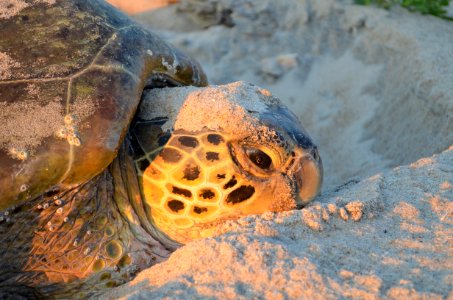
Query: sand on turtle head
[25, 124]
[233, 107]
[10, 8]
[6, 63]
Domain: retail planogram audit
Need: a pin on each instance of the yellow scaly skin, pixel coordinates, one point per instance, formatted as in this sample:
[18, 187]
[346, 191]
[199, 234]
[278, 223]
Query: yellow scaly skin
[195, 183]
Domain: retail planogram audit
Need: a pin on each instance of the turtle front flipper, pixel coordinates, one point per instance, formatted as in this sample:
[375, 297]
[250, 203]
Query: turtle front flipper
[170, 67]
[131, 61]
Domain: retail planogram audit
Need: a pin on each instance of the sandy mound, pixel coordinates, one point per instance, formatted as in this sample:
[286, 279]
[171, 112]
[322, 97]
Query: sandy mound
[374, 89]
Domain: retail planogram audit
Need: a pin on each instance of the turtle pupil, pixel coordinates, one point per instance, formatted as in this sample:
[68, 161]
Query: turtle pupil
[259, 158]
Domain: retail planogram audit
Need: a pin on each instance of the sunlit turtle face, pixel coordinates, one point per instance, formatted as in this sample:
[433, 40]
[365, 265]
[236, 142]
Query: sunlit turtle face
[194, 180]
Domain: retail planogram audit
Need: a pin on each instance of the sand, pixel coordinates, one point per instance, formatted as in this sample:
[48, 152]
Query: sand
[236, 106]
[6, 64]
[388, 236]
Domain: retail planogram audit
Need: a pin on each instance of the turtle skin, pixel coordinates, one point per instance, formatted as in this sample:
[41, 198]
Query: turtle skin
[72, 76]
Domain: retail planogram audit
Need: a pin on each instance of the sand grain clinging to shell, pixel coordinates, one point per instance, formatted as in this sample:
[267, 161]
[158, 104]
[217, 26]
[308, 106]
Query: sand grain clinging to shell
[6, 65]
[10, 8]
[24, 125]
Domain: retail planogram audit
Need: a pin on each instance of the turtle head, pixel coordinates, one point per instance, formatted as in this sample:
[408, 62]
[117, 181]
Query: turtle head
[220, 153]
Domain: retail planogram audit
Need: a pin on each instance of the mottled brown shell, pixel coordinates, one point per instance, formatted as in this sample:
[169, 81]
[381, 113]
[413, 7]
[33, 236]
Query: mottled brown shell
[72, 74]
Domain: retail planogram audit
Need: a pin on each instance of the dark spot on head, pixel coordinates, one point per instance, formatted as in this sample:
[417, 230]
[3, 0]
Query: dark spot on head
[182, 192]
[142, 164]
[175, 205]
[207, 194]
[25, 18]
[230, 183]
[240, 194]
[199, 210]
[188, 141]
[221, 176]
[215, 139]
[191, 172]
[170, 155]
[212, 156]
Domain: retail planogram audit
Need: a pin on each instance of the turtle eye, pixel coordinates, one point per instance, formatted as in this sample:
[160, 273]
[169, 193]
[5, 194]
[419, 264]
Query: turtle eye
[259, 158]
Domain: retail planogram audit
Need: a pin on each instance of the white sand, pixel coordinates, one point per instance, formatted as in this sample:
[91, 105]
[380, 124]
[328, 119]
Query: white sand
[374, 88]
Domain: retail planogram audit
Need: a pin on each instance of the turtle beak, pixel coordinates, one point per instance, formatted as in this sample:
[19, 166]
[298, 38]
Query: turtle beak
[308, 174]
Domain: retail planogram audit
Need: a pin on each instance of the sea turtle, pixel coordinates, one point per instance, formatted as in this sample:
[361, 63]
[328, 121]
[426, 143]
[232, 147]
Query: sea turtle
[92, 191]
